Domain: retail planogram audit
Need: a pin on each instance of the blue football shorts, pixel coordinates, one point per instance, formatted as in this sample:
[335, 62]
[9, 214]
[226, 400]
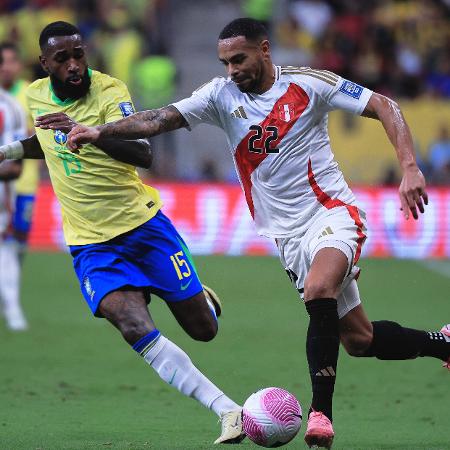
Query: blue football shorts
[152, 257]
[23, 213]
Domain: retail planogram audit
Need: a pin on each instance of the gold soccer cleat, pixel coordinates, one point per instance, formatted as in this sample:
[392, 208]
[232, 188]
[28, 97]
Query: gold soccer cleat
[232, 432]
[214, 299]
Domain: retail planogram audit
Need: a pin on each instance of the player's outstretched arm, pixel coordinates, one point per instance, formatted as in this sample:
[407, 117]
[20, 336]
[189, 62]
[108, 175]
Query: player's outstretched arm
[412, 189]
[143, 124]
[28, 148]
[136, 152]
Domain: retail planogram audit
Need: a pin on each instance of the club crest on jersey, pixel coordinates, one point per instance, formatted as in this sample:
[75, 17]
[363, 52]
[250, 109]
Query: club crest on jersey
[126, 108]
[352, 89]
[88, 287]
[60, 137]
[286, 111]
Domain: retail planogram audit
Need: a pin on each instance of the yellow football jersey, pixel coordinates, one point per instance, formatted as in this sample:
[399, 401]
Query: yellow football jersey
[28, 181]
[100, 197]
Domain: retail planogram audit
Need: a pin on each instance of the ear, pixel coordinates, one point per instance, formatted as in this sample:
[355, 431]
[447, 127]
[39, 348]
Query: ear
[43, 61]
[265, 47]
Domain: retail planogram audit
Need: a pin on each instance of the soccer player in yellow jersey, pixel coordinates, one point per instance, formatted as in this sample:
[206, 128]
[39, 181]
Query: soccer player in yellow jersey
[26, 186]
[124, 248]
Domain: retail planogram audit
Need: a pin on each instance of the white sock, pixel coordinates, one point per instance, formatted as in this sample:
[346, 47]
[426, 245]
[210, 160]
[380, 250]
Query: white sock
[175, 367]
[10, 285]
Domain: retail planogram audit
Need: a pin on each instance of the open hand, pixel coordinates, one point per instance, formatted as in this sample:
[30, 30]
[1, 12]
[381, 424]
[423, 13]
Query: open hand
[412, 192]
[55, 121]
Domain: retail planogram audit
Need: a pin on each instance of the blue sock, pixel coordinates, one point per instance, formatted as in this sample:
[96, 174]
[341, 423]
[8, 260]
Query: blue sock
[143, 345]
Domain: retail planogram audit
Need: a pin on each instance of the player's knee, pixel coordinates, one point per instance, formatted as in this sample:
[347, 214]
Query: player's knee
[356, 344]
[319, 289]
[133, 330]
[206, 331]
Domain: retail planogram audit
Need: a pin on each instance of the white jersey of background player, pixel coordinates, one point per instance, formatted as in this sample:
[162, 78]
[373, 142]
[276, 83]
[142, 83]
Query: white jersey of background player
[12, 127]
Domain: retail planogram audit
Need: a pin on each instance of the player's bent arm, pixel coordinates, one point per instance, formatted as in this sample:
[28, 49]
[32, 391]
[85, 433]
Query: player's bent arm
[412, 187]
[136, 152]
[143, 124]
[28, 148]
[388, 112]
[10, 170]
[32, 148]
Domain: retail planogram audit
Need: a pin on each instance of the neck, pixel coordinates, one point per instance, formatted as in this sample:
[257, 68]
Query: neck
[59, 92]
[268, 80]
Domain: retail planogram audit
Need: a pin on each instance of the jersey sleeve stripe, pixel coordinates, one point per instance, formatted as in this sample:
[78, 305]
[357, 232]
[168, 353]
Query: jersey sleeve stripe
[326, 73]
[308, 70]
[326, 80]
[328, 77]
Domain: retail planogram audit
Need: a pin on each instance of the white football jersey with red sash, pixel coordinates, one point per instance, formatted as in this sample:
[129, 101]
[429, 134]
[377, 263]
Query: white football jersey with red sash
[280, 144]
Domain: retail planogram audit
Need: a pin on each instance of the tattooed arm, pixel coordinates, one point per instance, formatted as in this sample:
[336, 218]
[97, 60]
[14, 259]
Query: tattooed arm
[143, 124]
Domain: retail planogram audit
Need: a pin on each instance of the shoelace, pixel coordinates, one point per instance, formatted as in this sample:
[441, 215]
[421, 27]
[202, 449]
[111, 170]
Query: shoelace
[227, 421]
[321, 418]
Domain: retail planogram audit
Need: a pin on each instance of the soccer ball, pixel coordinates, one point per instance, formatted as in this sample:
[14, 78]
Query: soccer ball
[271, 417]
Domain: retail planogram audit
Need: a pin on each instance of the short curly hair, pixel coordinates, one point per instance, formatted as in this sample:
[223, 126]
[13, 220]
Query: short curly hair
[53, 29]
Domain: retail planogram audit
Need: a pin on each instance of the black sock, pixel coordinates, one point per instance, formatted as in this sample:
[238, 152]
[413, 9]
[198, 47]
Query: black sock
[392, 341]
[322, 348]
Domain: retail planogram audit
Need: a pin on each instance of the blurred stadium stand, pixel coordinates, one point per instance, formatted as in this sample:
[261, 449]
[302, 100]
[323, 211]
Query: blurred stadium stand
[398, 48]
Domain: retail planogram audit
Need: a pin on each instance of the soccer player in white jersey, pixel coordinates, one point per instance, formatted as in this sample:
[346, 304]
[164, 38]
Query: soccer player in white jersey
[13, 126]
[275, 119]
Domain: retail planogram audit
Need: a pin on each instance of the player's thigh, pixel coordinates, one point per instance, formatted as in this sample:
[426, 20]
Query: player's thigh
[126, 309]
[195, 317]
[328, 269]
[334, 243]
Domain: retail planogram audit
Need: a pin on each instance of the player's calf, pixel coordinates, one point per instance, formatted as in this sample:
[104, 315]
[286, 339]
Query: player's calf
[128, 312]
[356, 343]
[391, 341]
[195, 317]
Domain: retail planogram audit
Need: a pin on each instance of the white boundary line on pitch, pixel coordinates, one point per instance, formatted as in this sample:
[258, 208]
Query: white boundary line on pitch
[442, 267]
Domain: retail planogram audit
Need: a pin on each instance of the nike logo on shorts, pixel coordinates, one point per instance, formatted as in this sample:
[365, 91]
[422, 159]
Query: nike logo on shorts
[183, 287]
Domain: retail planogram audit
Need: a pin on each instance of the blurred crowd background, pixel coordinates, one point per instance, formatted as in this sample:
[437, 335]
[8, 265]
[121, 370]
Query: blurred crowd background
[163, 49]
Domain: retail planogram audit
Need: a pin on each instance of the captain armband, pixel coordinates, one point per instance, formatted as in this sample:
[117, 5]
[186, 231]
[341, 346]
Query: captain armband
[14, 150]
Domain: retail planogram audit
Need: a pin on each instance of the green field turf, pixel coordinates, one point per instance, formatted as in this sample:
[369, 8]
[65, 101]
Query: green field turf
[72, 383]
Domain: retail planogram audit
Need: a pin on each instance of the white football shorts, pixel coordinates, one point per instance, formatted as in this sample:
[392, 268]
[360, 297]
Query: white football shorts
[343, 228]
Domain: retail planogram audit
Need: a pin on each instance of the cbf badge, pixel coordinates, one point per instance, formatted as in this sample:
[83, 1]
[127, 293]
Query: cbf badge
[60, 137]
[286, 111]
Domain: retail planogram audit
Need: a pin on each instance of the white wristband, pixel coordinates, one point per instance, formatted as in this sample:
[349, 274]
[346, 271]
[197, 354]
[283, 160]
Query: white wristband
[13, 151]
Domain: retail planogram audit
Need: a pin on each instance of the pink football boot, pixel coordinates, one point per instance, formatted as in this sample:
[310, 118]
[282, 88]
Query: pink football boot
[320, 431]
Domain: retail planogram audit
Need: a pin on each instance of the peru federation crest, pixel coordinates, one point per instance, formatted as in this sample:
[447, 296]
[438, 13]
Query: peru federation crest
[286, 111]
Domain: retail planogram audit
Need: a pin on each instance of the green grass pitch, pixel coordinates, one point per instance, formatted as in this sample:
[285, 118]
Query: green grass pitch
[70, 382]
